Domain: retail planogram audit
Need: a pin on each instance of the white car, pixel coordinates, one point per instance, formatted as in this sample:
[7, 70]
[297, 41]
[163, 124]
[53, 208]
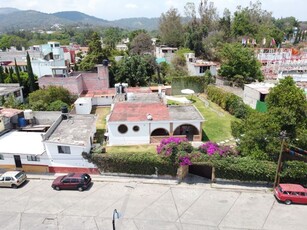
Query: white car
[12, 179]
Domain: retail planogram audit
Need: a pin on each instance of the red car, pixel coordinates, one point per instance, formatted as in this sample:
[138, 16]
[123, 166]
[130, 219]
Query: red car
[80, 181]
[291, 193]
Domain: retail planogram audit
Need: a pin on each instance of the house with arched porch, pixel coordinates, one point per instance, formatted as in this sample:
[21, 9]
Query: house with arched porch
[144, 121]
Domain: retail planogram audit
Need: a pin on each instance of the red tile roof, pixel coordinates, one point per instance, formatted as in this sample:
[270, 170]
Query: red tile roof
[8, 112]
[126, 111]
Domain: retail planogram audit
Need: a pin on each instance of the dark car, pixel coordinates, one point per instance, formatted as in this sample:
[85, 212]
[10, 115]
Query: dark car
[80, 181]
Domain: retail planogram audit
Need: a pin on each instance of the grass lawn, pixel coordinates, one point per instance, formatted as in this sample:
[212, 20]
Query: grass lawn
[101, 113]
[217, 121]
[134, 148]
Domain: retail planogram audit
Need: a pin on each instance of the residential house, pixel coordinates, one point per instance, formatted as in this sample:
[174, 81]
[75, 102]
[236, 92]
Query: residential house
[11, 89]
[47, 141]
[198, 67]
[255, 94]
[144, 119]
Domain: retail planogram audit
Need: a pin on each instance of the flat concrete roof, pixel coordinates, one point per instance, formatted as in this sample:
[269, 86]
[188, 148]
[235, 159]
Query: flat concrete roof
[76, 130]
[184, 112]
[262, 87]
[143, 98]
[22, 143]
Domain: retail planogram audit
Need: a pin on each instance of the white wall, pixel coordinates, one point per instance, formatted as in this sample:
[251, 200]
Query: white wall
[130, 137]
[83, 105]
[42, 67]
[9, 159]
[251, 96]
[103, 100]
[74, 159]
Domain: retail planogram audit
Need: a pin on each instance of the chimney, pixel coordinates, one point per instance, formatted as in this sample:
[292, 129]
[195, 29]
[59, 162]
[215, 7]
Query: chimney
[103, 74]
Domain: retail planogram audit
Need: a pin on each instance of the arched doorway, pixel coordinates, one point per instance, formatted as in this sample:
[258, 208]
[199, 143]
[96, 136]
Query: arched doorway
[160, 132]
[188, 130]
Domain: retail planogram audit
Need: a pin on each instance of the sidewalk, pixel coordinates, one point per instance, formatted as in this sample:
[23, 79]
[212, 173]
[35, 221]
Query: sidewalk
[190, 180]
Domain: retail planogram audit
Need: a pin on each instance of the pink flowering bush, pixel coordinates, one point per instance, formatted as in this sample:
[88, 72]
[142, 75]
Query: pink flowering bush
[177, 149]
[211, 148]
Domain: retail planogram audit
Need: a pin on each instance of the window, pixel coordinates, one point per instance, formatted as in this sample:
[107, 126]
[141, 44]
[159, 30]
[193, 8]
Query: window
[33, 158]
[64, 149]
[17, 93]
[8, 178]
[136, 128]
[1, 157]
[202, 69]
[122, 129]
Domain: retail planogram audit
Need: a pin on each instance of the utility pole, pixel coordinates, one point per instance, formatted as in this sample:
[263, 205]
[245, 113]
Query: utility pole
[277, 176]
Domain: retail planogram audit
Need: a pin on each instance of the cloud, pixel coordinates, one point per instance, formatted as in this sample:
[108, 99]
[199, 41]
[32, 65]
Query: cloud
[131, 6]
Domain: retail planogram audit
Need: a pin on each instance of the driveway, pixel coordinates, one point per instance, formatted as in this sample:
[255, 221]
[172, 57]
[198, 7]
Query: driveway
[145, 207]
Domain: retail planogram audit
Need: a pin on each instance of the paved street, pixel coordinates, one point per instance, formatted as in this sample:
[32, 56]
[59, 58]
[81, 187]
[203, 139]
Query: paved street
[145, 207]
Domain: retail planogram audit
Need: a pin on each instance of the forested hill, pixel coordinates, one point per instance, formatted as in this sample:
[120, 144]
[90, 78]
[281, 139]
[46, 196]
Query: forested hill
[14, 19]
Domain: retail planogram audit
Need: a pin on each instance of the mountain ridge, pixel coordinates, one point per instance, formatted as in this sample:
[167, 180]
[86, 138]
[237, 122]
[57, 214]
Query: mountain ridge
[15, 19]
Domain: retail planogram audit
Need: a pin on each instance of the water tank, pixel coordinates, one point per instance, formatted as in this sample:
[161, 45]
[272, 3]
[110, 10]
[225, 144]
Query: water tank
[105, 62]
[22, 122]
[64, 109]
[28, 114]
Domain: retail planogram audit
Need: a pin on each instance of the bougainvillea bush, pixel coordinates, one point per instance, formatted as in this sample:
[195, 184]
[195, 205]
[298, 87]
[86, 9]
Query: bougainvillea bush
[211, 148]
[179, 150]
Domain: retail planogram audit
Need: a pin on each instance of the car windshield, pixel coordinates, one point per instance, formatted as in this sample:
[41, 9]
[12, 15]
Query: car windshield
[18, 175]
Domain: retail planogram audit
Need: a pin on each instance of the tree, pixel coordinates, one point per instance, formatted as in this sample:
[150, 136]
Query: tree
[17, 72]
[133, 70]
[95, 53]
[259, 133]
[32, 85]
[50, 98]
[2, 77]
[111, 36]
[141, 44]
[288, 103]
[170, 28]
[239, 60]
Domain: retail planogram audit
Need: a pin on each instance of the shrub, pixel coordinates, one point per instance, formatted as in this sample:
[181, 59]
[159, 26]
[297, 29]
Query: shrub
[176, 149]
[134, 163]
[211, 148]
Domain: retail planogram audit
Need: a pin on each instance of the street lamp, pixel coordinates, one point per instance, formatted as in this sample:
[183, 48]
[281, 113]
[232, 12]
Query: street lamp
[115, 215]
[277, 176]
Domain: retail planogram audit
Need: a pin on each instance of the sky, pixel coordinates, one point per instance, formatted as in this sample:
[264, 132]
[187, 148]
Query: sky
[117, 9]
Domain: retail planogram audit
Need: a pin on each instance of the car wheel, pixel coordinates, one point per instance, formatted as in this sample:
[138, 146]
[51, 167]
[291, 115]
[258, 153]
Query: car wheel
[14, 186]
[80, 189]
[57, 188]
[288, 202]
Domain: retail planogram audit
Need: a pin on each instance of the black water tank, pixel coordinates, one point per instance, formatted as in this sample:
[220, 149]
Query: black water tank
[64, 109]
[105, 62]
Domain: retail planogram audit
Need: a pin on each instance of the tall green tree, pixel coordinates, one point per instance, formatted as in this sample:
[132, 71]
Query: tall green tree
[133, 70]
[2, 77]
[141, 44]
[287, 111]
[95, 54]
[237, 60]
[17, 73]
[288, 103]
[31, 77]
[170, 28]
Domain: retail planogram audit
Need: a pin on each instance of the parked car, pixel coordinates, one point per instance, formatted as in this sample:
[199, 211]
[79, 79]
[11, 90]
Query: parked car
[12, 179]
[291, 193]
[80, 181]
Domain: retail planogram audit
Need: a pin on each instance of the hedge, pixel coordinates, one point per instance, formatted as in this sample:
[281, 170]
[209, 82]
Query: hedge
[228, 101]
[134, 163]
